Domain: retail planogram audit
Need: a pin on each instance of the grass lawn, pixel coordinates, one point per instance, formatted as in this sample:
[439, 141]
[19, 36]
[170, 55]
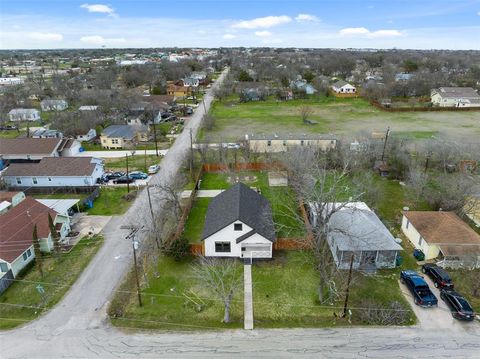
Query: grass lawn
[196, 220]
[10, 134]
[166, 306]
[285, 293]
[282, 199]
[135, 163]
[111, 202]
[21, 302]
[333, 115]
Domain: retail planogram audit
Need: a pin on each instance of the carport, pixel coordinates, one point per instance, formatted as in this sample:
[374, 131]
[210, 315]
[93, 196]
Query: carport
[60, 206]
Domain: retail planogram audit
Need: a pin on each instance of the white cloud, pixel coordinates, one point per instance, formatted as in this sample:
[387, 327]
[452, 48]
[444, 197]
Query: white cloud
[45, 36]
[478, 13]
[354, 31]
[306, 18]
[103, 9]
[100, 40]
[262, 22]
[264, 33]
[362, 31]
[228, 36]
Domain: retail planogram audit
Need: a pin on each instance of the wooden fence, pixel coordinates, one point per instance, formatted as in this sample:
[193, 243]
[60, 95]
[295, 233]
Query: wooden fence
[254, 166]
[196, 248]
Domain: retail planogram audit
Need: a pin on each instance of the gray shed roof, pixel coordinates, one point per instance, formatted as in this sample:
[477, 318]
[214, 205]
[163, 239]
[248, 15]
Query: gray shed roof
[240, 203]
[357, 228]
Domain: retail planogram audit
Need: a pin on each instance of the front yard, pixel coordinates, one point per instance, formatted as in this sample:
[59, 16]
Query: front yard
[22, 302]
[112, 201]
[135, 163]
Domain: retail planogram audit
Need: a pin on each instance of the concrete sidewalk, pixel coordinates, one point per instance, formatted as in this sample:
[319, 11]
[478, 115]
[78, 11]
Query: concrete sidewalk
[248, 297]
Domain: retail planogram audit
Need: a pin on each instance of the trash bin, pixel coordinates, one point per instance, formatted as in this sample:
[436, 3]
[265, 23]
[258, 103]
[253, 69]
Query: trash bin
[419, 255]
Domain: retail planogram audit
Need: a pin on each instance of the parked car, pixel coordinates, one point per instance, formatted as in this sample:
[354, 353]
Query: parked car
[459, 306]
[112, 175]
[440, 278]
[422, 295]
[153, 169]
[138, 175]
[123, 179]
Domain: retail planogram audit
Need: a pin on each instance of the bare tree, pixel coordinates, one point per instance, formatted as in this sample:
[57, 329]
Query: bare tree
[417, 181]
[305, 113]
[221, 276]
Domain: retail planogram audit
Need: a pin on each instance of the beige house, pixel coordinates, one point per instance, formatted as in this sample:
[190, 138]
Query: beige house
[442, 236]
[455, 97]
[124, 136]
[284, 143]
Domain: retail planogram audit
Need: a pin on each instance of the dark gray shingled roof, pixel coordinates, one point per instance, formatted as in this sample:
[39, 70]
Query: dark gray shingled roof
[241, 203]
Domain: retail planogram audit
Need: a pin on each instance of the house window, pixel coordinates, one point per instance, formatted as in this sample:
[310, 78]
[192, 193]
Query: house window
[237, 227]
[34, 180]
[3, 267]
[269, 143]
[222, 247]
[19, 181]
[29, 253]
[25, 256]
[408, 222]
[420, 241]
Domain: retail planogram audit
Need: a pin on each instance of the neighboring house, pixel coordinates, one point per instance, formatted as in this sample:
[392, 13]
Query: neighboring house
[442, 236]
[199, 75]
[455, 97]
[251, 94]
[343, 87]
[160, 102]
[88, 108]
[9, 199]
[274, 143]
[24, 114]
[191, 82]
[54, 105]
[354, 229]
[303, 85]
[55, 172]
[34, 149]
[43, 133]
[124, 136]
[16, 226]
[178, 91]
[85, 137]
[403, 77]
[11, 81]
[239, 224]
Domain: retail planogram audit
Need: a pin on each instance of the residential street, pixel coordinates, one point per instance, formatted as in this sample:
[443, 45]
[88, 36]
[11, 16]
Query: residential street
[78, 327]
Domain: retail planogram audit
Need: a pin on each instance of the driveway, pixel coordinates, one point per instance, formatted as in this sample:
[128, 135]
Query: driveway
[437, 317]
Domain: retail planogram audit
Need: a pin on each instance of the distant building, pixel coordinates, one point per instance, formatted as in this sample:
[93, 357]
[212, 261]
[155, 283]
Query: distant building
[303, 85]
[24, 114]
[455, 97]
[53, 105]
[88, 108]
[11, 81]
[43, 133]
[341, 87]
[403, 77]
[124, 136]
[279, 143]
[55, 172]
[191, 82]
[9, 199]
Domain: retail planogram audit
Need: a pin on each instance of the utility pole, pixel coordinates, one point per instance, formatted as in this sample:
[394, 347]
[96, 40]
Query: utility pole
[426, 162]
[385, 143]
[131, 235]
[348, 287]
[155, 137]
[128, 178]
[153, 217]
[145, 158]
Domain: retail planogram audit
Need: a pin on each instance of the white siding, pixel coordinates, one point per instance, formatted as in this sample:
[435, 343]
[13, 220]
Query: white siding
[18, 264]
[228, 234]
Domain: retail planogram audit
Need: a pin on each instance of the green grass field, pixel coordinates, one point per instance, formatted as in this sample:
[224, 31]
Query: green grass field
[10, 134]
[333, 116]
[111, 202]
[135, 163]
[21, 302]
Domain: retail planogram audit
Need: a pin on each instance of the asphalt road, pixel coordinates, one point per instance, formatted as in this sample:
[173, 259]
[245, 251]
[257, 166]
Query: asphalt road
[78, 327]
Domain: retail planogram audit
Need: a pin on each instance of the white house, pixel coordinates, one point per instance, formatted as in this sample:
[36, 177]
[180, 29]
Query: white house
[442, 236]
[55, 172]
[191, 82]
[54, 105]
[239, 224]
[343, 87]
[88, 108]
[455, 97]
[11, 81]
[16, 226]
[24, 114]
[90, 135]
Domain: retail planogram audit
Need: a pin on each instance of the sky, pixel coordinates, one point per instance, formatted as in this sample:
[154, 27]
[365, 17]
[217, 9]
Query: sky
[412, 24]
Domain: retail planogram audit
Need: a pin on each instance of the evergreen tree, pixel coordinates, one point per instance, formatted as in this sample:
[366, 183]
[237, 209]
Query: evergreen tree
[54, 234]
[36, 250]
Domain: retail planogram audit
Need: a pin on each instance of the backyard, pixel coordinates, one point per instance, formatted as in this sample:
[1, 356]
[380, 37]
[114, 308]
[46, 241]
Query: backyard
[22, 301]
[333, 116]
